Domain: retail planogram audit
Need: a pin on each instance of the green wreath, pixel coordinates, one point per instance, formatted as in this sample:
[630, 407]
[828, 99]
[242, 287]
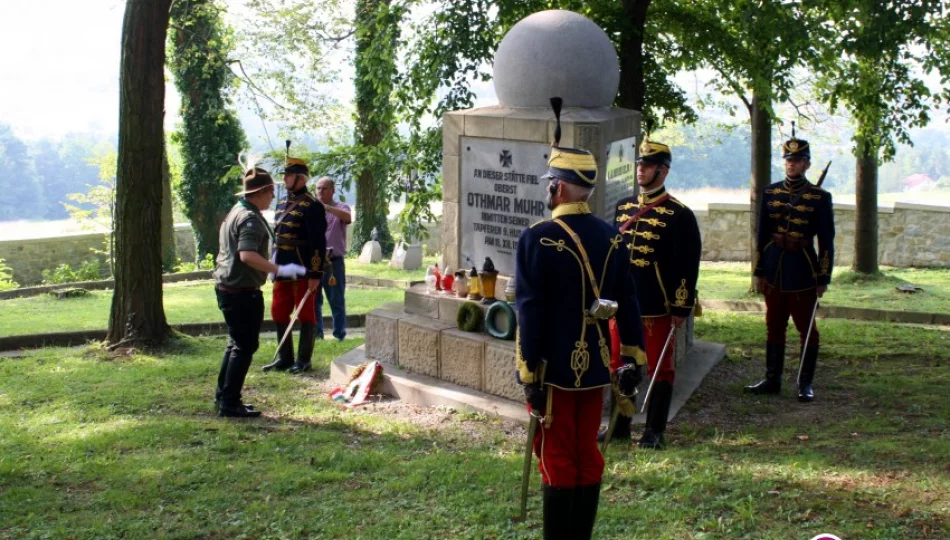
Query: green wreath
[493, 330]
[469, 317]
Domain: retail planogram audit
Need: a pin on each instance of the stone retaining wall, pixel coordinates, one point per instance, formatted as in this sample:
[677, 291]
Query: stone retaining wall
[909, 234]
[29, 257]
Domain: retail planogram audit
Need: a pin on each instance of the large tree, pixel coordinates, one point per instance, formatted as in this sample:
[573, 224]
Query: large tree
[874, 55]
[137, 316]
[210, 135]
[753, 47]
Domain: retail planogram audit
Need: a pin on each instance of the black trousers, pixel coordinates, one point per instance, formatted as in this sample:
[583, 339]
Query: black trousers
[244, 313]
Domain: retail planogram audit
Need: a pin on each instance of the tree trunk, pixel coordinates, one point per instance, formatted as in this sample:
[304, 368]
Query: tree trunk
[761, 168]
[168, 220]
[865, 194]
[137, 316]
[374, 117]
[632, 85]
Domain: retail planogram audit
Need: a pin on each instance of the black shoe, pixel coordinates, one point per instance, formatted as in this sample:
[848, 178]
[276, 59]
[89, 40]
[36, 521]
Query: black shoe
[651, 439]
[279, 365]
[774, 364]
[621, 432]
[285, 356]
[305, 349]
[217, 405]
[807, 375]
[241, 411]
[765, 386]
[300, 368]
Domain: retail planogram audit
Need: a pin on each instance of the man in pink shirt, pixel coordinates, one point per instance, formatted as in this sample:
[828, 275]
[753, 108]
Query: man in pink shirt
[339, 217]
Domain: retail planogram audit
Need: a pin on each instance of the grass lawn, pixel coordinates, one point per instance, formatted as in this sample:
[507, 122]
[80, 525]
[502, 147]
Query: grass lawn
[100, 447]
[188, 302]
[731, 280]
[381, 270]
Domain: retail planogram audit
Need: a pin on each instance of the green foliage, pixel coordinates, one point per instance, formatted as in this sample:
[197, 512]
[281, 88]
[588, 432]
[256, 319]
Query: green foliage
[210, 136]
[872, 56]
[6, 277]
[207, 263]
[289, 52]
[89, 271]
[753, 46]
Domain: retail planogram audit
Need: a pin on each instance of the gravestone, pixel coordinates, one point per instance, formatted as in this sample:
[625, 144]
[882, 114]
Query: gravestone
[372, 252]
[406, 257]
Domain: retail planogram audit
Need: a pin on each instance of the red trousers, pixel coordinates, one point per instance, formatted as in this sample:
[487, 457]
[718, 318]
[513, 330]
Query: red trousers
[286, 297]
[568, 455]
[779, 305]
[655, 332]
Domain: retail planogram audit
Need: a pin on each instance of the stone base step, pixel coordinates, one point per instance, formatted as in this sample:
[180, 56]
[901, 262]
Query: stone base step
[429, 391]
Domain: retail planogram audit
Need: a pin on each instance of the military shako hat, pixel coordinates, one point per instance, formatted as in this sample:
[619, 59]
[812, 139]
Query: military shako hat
[655, 152]
[571, 165]
[795, 147]
[294, 165]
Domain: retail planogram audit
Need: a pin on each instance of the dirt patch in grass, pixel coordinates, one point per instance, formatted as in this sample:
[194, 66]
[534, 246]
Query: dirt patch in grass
[467, 427]
[721, 402]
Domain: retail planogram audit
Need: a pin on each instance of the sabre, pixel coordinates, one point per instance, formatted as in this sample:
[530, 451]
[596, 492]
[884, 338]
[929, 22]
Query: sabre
[824, 173]
[801, 361]
[526, 469]
[290, 326]
[612, 424]
[656, 370]
[528, 452]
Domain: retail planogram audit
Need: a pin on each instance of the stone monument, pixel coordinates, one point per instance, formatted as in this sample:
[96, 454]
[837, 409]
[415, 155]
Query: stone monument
[406, 256]
[493, 158]
[372, 252]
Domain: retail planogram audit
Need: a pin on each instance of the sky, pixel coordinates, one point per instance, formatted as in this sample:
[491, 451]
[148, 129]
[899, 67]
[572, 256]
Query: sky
[59, 70]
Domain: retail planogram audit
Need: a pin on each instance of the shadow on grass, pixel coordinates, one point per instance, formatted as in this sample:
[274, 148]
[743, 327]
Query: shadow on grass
[128, 447]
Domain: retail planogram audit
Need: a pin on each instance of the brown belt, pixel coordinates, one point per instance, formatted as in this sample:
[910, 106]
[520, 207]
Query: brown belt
[225, 288]
[788, 243]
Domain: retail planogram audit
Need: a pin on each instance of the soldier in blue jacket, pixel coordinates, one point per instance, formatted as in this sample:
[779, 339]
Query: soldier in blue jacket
[789, 271]
[571, 277]
[665, 247]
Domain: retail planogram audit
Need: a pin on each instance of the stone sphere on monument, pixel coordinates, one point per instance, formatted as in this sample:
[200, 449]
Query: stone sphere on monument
[556, 53]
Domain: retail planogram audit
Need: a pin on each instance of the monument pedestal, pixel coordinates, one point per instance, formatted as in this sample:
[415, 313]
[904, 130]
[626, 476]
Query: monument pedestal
[493, 159]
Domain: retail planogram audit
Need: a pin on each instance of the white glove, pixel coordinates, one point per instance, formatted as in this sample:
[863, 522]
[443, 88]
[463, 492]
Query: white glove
[292, 271]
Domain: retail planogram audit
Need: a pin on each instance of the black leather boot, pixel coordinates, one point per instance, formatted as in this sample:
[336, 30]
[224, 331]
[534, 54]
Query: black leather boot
[657, 413]
[810, 360]
[558, 510]
[586, 499]
[774, 363]
[305, 348]
[285, 356]
[621, 429]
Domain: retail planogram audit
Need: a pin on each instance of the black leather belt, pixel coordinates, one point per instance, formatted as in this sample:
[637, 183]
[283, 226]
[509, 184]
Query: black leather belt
[788, 243]
[225, 288]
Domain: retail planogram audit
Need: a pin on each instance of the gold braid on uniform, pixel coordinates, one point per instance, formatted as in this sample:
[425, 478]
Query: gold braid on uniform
[681, 294]
[580, 357]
